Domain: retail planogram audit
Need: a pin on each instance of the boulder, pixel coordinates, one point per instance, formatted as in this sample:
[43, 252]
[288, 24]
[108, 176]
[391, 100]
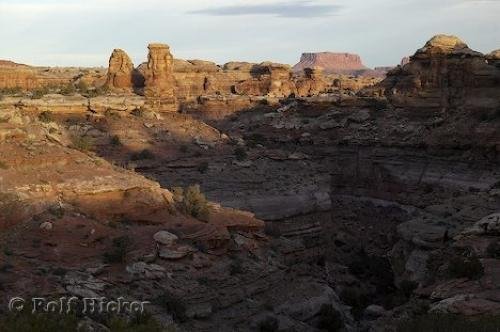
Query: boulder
[165, 238]
[489, 225]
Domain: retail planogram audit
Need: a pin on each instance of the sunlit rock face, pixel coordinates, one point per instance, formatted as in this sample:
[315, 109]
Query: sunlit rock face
[158, 77]
[445, 74]
[313, 82]
[120, 71]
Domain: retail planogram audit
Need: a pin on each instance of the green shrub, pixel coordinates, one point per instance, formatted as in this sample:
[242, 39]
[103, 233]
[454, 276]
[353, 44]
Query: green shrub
[11, 91]
[115, 140]
[82, 143]
[98, 91]
[68, 89]
[465, 267]
[451, 323]
[143, 155]
[46, 116]
[240, 154]
[39, 93]
[178, 193]
[82, 87]
[56, 211]
[330, 319]
[120, 248]
[194, 203]
[138, 112]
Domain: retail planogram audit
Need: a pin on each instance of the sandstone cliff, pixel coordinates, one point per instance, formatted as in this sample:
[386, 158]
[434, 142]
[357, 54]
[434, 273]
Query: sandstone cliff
[444, 74]
[120, 71]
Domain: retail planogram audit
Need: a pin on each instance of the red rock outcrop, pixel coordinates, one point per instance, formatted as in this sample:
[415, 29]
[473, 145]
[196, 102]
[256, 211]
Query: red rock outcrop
[159, 79]
[445, 74]
[120, 71]
[331, 63]
[269, 79]
[313, 83]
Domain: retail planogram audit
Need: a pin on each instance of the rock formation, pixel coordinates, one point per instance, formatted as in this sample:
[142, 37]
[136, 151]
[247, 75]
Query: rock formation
[313, 82]
[445, 74]
[120, 71]
[268, 79]
[331, 63]
[159, 79]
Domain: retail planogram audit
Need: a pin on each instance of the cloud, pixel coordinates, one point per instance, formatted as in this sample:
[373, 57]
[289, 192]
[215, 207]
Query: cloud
[290, 9]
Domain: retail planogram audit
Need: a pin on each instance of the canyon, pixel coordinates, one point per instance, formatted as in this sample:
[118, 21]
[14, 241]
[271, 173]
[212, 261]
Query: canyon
[256, 197]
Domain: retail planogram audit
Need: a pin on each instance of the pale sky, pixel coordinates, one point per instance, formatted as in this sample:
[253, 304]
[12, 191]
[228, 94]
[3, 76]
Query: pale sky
[84, 32]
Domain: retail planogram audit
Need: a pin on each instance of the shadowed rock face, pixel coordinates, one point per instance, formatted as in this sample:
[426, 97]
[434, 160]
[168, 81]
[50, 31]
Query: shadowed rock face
[120, 71]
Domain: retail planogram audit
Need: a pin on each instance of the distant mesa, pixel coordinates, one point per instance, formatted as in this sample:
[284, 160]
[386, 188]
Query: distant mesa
[331, 63]
[338, 63]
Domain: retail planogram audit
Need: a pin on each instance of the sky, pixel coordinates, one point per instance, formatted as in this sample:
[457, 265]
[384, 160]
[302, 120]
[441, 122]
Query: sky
[84, 32]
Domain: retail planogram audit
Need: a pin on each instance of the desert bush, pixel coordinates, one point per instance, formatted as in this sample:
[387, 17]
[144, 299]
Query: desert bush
[82, 143]
[183, 148]
[98, 91]
[115, 140]
[82, 87]
[11, 91]
[3, 165]
[46, 116]
[448, 322]
[138, 112]
[143, 155]
[10, 205]
[195, 203]
[39, 93]
[118, 253]
[330, 319]
[178, 193]
[240, 153]
[56, 211]
[173, 304]
[68, 89]
[465, 267]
